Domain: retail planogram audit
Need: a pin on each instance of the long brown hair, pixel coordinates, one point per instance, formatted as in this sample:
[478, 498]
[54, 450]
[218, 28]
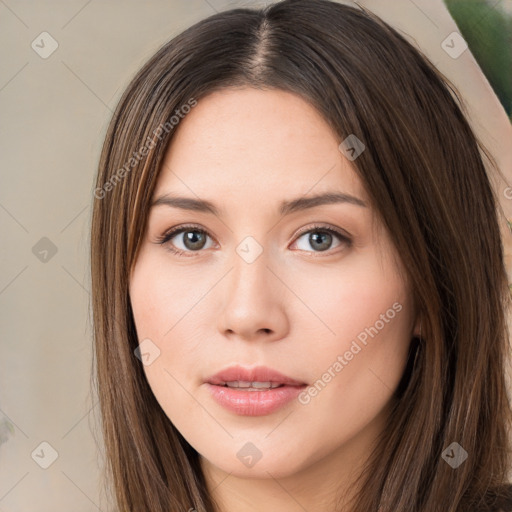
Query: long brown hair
[423, 169]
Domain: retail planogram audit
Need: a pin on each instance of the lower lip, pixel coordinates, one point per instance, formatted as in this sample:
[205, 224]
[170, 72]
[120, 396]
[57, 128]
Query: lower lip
[254, 403]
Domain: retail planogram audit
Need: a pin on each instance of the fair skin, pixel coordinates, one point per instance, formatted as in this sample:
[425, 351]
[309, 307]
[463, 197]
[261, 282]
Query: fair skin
[295, 308]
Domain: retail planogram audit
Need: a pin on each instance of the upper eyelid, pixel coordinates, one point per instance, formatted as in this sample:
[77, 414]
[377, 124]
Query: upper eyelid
[339, 231]
[180, 229]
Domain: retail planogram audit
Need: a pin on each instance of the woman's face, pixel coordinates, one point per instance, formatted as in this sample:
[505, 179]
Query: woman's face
[267, 285]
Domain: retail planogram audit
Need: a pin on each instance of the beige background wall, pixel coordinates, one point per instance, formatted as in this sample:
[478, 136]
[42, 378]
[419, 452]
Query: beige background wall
[54, 113]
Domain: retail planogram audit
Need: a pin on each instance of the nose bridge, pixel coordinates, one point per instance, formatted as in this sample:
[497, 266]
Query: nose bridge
[251, 305]
[249, 278]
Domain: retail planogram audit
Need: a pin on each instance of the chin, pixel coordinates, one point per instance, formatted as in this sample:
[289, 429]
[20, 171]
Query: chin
[248, 461]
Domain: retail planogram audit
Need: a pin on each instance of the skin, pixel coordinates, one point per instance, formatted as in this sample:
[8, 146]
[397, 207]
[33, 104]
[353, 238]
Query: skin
[296, 308]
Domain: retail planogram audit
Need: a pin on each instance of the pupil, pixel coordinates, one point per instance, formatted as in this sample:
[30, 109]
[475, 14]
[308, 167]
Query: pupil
[192, 237]
[314, 237]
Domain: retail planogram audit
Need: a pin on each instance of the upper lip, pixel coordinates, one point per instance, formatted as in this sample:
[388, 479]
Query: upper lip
[255, 374]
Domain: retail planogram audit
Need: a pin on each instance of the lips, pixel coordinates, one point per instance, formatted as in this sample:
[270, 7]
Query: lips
[258, 374]
[253, 391]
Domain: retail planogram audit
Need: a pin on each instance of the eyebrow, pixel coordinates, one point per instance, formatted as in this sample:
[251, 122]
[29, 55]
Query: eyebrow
[286, 207]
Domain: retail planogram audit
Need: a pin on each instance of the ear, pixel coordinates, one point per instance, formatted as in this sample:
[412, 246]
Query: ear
[417, 327]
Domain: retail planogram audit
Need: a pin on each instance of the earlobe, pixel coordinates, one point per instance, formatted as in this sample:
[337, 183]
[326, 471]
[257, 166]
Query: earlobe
[417, 328]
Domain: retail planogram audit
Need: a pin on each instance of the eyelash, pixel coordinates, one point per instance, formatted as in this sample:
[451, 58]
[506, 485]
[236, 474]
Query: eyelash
[167, 236]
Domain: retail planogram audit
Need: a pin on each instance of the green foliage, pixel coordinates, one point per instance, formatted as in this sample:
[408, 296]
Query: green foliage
[488, 31]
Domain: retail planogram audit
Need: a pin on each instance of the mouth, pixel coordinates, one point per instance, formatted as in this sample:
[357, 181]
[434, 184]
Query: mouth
[253, 392]
[256, 378]
[251, 386]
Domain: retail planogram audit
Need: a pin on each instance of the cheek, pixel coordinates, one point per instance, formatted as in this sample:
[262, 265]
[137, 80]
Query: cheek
[347, 302]
[163, 300]
[360, 355]
[163, 295]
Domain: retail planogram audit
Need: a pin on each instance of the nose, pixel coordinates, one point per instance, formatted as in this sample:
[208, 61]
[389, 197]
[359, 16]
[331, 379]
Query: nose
[253, 301]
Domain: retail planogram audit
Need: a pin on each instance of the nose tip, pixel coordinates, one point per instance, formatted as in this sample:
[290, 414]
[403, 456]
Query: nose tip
[252, 308]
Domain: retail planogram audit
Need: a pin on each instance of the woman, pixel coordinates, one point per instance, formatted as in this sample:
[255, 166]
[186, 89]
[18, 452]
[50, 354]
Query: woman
[330, 334]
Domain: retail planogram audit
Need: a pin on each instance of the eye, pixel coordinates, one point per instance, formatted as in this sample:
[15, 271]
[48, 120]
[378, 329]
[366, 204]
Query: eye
[321, 238]
[193, 241]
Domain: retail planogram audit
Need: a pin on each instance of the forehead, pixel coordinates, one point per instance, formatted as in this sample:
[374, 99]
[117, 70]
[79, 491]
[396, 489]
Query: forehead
[257, 143]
